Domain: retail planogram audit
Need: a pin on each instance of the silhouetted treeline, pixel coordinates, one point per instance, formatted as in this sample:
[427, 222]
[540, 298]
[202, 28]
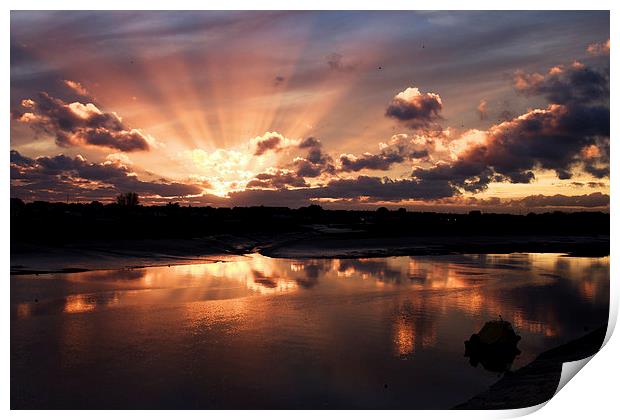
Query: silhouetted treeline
[60, 222]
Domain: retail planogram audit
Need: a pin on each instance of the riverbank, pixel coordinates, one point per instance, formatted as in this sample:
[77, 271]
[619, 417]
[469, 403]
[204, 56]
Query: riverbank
[354, 246]
[320, 242]
[536, 382]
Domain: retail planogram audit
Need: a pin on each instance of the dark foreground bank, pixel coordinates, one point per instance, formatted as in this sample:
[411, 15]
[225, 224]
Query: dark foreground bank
[58, 237]
[315, 243]
[537, 382]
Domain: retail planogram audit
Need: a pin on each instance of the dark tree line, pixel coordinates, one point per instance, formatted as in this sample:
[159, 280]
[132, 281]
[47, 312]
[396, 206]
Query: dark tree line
[126, 219]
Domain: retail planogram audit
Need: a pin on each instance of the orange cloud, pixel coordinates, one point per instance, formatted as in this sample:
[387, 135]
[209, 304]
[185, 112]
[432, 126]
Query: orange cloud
[599, 48]
[76, 87]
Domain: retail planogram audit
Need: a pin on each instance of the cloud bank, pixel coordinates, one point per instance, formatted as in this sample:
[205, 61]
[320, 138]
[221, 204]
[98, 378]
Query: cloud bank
[76, 123]
[55, 178]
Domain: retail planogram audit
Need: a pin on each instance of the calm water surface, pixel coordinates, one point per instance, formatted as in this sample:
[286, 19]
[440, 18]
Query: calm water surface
[258, 332]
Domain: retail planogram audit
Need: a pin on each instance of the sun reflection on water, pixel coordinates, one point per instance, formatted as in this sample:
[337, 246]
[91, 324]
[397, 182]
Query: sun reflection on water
[399, 321]
[78, 303]
[429, 289]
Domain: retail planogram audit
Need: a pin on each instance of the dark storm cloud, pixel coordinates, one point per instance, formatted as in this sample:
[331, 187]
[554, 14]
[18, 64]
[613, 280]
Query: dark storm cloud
[576, 83]
[362, 188]
[540, 202]
[554, 138]
[401, 148]
[377, 188]
[595, 199]
[382, 161]
[416, 109]
[316, 162]
[309, 169]
[572, 132]
[80, 124]
[19, 160]
[277, 179]
[54, 177]
[310, 142]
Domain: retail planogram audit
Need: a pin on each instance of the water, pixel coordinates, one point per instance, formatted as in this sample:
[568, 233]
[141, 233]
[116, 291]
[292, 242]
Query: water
[258, 332]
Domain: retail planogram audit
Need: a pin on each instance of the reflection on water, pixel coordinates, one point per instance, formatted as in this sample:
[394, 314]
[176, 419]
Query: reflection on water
[289, 333]
[412, 332]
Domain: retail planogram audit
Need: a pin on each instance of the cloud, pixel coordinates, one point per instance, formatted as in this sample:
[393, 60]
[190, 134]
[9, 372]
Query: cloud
[310, 142]
[76, 87]
[401, 148]
[316, 162]
[81, 124]
[376, 188]
[277, 179]
[230, 169]
[572, 132]
[276, 142]
[482, 110]
[539, 201]
[360, 189]
[551, 138]
[576, 83]
[593, 184]
[416, 109]
[270, 141]
[381, 161]
[596, 199]
[599, 48]
[53, 178]
[121, 158]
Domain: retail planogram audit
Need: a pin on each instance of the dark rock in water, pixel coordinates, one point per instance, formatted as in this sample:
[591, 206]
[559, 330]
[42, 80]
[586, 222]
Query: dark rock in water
[495, 346]
[536, 382]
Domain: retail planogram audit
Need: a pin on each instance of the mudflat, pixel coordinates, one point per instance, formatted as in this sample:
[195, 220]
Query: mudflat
[84, 255]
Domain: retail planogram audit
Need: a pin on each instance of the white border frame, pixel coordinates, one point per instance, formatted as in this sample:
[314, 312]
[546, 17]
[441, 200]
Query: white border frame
[592, 394]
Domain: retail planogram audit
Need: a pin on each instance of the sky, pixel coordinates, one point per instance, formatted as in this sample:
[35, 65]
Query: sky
[438, 111]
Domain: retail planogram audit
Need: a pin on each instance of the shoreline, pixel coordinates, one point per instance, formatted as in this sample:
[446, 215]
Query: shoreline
[128, 254]
[536, 382]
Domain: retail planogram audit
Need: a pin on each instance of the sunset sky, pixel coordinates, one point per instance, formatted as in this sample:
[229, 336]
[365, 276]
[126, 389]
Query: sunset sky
[498, 111]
